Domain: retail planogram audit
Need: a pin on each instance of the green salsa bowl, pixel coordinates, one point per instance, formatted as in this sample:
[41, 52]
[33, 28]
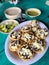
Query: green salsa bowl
[33, 12]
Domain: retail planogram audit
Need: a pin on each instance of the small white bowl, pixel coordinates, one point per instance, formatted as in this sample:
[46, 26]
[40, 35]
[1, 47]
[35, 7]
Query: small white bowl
[33, 9]
[13, 13]
[6, 22]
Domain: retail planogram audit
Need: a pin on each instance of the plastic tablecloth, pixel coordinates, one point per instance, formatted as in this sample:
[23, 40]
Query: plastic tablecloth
[44, 17]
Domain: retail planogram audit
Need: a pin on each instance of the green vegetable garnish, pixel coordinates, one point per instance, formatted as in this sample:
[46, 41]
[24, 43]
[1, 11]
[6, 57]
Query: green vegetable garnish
[6, 28]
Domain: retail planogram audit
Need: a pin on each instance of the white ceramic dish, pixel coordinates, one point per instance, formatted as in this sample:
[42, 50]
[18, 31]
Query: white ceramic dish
[33, 9]
[47, 2]
[15, 2]
[6, 22]
[17, 61]
[13, 13]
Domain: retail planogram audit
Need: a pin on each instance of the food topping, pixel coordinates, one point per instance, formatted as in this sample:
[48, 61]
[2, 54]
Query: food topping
[15, 35]
[26, 52]
[27, 37]
[42, 33]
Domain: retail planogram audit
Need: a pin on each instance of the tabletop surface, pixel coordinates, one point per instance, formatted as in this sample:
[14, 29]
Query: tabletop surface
[44, 17]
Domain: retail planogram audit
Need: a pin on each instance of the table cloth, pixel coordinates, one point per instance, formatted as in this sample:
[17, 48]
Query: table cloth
[44, 17]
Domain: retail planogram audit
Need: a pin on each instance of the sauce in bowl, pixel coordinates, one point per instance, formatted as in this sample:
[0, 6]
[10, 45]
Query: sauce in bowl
[33, 12]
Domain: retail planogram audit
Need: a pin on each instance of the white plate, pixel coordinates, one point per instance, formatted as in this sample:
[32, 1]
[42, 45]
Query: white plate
[17, 61]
